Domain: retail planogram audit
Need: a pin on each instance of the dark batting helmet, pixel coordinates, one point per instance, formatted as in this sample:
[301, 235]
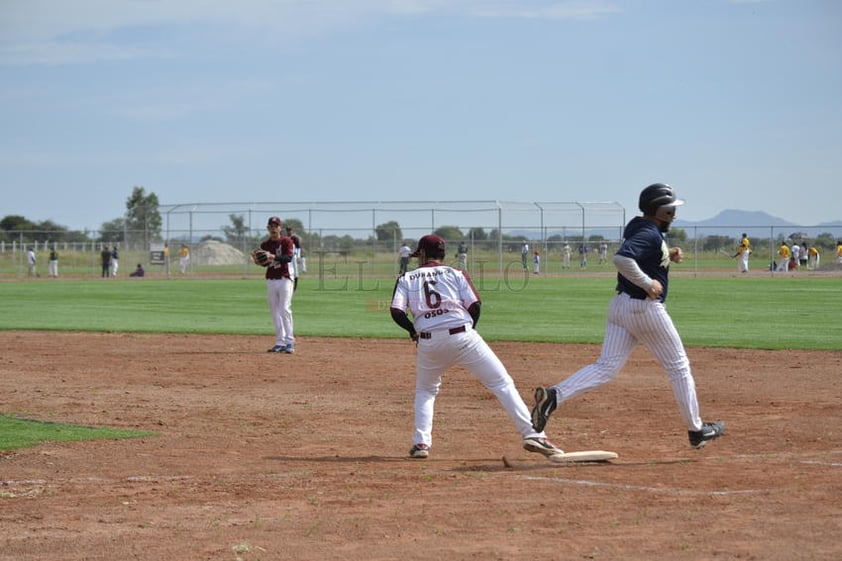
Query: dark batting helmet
[655, 196]
[432, 245]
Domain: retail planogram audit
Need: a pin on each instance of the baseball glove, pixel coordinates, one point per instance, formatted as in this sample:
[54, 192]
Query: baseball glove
[261, 257]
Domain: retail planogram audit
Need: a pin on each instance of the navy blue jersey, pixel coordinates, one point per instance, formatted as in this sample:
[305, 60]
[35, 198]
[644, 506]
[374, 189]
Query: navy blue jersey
[644, 242]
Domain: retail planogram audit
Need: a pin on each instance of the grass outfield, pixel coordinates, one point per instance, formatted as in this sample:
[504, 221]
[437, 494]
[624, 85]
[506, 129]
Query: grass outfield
[23, 433]
[742, 312]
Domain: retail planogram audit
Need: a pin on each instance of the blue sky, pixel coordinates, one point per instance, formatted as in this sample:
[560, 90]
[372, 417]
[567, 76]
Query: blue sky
[737, 104]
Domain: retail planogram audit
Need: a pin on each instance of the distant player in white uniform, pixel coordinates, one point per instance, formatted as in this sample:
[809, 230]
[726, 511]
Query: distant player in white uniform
[637, 315]
[446, 307]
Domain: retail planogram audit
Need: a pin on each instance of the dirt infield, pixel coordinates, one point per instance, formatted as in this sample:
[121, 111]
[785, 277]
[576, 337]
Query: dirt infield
[303, 457]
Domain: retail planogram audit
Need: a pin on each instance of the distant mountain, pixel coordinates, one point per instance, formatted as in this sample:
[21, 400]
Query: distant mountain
[729, 222]
[733, 223]
[736, 218]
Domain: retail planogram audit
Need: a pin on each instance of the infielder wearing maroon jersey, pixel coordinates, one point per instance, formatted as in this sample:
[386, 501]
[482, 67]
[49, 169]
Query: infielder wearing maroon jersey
[637, 315]
[446, 308]
[279, 285]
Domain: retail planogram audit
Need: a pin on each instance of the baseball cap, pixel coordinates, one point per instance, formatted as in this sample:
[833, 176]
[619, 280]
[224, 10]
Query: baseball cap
[432, 245]
[274, 221]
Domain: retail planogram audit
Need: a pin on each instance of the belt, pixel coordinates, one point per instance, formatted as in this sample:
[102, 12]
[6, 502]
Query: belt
[633, 296]
[454, 331]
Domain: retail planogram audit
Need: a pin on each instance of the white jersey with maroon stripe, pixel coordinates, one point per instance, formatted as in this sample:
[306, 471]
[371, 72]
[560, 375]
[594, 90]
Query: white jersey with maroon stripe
[437, 295]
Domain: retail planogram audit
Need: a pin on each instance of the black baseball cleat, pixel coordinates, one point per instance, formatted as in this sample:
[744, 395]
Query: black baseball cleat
[545, 404]
[278, 349]
[541, 445]
[699, 438]
[419, 451]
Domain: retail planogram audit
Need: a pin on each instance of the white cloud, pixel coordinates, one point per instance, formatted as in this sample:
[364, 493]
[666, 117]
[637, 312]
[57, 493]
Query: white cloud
[50, 32]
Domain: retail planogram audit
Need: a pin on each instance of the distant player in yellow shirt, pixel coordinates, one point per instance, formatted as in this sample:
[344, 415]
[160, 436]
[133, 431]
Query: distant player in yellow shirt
[839, 252]
[784, 257]
[743, 251]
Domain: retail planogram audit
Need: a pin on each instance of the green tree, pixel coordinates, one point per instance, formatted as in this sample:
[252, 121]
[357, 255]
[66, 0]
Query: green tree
[449, 233]
[237, 231]
[143, 219]
[113, 231]
[678, 235]
[477, 234]
[388, 231]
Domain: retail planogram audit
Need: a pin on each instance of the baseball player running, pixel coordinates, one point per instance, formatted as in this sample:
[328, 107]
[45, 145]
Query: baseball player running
[276, 254]
[446, 308]
[637, 315]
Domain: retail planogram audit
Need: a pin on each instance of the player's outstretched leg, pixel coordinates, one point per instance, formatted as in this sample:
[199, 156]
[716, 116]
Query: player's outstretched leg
[545, 404]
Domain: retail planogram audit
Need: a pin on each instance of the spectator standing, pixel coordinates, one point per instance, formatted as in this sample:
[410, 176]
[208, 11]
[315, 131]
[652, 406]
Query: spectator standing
[403, 257]
[603, 253]
[31, 262]
[52, 266]
[565, 256]
[462, 255]
[183, 259]
[524, 254]
[583, 256]
[796, 253]
[105, 258]
[839, 252]
[813, 258]
[536, 261]
[784, 256]
[115, 261]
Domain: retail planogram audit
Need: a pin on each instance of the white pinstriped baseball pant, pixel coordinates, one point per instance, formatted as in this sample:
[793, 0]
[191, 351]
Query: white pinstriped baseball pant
[630, 322]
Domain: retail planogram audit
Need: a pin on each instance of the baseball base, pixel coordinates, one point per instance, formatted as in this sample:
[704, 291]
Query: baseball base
[584, 456]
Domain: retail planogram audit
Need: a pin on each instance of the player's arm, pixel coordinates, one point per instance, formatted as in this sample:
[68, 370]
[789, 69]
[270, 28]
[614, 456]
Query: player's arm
[474, 310]
[399, 316]
[629, 268]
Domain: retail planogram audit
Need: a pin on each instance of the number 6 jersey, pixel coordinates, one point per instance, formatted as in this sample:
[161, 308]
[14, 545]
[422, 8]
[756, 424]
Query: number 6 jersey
[437, 295]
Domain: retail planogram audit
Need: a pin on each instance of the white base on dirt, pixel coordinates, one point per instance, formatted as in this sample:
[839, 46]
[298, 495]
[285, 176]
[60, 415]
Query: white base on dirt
[584, 456]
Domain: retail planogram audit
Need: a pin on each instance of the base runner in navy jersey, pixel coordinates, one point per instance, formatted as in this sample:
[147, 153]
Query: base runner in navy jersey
[637, 314]
[445, 308]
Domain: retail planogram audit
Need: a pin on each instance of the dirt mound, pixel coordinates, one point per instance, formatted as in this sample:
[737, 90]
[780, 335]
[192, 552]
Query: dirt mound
[213, 252]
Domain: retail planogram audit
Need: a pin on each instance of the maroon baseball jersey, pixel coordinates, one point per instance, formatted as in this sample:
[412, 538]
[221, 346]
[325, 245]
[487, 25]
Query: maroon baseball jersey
[283, 246]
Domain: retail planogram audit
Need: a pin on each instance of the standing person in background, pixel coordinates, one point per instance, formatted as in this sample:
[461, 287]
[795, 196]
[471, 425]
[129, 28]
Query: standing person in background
[784, 257]
[167, 258]
[52, 266]
[742, 254]
[280, 252]
[183, 259]
[31, 262]
[839, 252]
[296, 258]
[115, 261]
[565, 256]
[583, 256]
[636, 315]
[813, 258]
[524, 254]
[403, 257]
[105, 258]
[603, 253]
[446, 308]
[462, 255]
[796, 254]
[536, 261]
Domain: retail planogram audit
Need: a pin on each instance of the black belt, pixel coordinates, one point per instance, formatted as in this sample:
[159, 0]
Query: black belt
[633, 296]
[454, 331]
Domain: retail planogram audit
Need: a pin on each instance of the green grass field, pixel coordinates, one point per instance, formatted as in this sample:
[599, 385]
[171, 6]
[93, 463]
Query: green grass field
[22, 433]
[780, 312]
